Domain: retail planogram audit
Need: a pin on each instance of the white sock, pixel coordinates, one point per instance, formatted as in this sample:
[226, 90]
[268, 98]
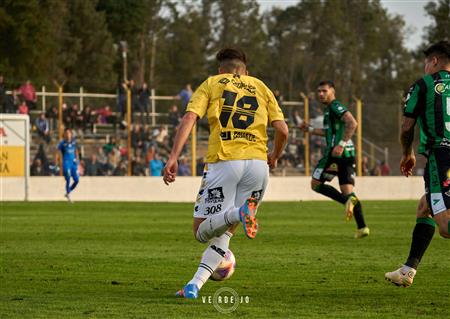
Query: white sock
[211, 258]
[217, 225]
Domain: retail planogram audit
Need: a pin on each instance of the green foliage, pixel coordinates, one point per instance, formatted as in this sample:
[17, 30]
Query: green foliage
[126, 260]
[439, 30]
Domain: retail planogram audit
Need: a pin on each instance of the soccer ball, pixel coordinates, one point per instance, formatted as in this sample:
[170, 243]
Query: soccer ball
[225, 268]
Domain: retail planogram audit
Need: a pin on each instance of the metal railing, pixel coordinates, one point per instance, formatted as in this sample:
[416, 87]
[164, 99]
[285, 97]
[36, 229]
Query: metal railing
[374, 151]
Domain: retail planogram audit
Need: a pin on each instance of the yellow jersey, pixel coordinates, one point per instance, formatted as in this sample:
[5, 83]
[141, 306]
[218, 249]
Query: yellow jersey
[238, 108]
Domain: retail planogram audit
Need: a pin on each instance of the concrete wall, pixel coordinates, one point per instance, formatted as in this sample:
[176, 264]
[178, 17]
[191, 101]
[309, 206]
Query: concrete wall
[185, 189]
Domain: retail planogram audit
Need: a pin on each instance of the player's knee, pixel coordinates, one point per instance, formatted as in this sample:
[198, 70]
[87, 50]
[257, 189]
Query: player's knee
[197, 234]
[422, 210]
[315, 185]
[444, 229]
[199, 238]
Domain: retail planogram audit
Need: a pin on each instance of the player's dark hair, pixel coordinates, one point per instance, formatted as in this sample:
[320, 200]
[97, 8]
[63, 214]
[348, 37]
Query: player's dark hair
[327, 82]
[441, 48]
[229, 54]
[67, 129]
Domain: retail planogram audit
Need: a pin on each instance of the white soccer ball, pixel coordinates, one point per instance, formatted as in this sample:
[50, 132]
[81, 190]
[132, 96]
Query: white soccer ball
[225, 268]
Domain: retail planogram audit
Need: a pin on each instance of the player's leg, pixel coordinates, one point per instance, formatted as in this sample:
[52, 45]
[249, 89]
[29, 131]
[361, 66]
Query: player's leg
[250, 191]
[421, 237]
[253, 183]
[211, 220]
[66, 174]
[353, 207]
[75, 177]
[325, 171]
[443, 221]
[439, 171]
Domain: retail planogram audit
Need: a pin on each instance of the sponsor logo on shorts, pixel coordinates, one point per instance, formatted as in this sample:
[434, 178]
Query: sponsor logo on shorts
[445, 142]
[332, 168]
[447, 193]
[257, 194]
[215, 195]
[437, 203]
[317, 173]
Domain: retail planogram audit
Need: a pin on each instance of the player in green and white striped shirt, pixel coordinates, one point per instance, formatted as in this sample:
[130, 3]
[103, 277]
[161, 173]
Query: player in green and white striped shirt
[339, 158]
[428, 103]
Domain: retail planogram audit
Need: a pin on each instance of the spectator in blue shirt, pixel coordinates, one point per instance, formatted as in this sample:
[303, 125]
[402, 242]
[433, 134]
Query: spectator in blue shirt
[184, 96]
[43, 127]
[183, 167]
[156, 165]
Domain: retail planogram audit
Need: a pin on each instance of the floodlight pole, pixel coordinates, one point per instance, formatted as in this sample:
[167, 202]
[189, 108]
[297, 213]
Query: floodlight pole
[307, 135]
[129, 130]
[358, 136]
[60, 117]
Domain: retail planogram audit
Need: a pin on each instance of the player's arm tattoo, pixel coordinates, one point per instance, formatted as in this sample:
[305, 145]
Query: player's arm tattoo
[407, 134]
[350, 126]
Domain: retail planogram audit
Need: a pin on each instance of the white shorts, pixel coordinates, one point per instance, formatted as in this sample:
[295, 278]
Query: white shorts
[227, 184]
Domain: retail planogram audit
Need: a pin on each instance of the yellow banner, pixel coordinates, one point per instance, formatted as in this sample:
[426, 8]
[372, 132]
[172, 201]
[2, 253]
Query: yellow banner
[12, 160]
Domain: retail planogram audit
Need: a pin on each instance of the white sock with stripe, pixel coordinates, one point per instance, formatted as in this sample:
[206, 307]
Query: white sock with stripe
[211, 258]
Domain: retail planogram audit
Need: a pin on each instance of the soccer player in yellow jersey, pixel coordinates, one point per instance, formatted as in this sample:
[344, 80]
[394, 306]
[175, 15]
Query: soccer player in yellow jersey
[239, 108]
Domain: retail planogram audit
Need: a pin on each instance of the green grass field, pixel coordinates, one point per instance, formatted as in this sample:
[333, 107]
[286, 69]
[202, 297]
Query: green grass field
[126, 260]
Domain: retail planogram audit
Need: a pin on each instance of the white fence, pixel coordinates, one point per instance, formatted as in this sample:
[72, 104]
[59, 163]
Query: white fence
[152, 189]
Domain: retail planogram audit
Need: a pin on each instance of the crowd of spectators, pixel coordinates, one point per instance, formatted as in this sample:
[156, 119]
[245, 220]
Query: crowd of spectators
[150, 149]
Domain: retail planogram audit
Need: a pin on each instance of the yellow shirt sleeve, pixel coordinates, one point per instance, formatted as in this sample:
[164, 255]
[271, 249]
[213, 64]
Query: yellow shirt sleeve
[199, 100]
[274, 110]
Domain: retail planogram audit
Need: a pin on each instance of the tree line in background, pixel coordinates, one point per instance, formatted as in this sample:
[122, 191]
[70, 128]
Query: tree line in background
[170, 43]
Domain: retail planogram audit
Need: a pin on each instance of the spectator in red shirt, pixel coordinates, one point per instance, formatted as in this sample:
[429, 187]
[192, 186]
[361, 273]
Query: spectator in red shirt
[29, 94]
[385, 170]
[23, 108]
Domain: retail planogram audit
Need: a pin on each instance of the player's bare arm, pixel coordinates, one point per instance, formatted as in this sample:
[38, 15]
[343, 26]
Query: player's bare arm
[171, 168]
[306, 127]
[408, 160]
[281, 137]
[350, 127]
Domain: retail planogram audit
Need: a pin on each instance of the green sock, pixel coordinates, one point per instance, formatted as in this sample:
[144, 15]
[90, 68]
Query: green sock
[331, 192]
[421, 238]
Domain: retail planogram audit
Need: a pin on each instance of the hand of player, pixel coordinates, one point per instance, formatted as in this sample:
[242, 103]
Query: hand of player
[407, 164]
[170, 171]
[304, 126]
[337, 151]
[272, 161]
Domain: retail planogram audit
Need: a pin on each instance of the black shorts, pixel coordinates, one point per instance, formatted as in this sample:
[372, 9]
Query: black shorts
[329, 166]
[437, 180]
